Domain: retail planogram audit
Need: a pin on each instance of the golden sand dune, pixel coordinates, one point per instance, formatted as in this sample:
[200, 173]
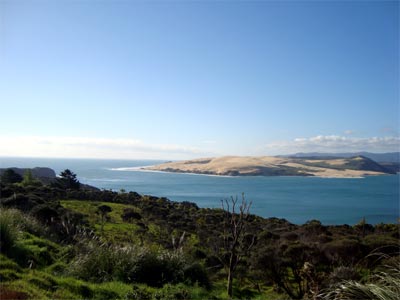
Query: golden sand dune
[274, 166]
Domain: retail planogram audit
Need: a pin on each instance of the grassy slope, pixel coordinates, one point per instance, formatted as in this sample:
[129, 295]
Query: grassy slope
[115, 229]
[40, 270]
[46, 277]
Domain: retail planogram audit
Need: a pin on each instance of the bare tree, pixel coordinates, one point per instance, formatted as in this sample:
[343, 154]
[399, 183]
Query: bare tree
[235, 228]
[103, 210]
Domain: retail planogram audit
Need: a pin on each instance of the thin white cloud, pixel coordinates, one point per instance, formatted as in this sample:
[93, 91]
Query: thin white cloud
[38, 146]
[333, 143]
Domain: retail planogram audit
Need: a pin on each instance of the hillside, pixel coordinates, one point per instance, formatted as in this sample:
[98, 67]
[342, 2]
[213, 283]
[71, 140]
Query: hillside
[42, 173]
[63, 243]
[276, 166]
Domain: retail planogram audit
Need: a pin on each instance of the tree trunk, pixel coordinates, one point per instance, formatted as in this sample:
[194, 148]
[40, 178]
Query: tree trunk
[231, 269]
[229, 287]
[102, 225]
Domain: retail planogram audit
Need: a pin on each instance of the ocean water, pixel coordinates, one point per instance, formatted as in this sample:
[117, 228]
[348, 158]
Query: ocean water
[297, 199]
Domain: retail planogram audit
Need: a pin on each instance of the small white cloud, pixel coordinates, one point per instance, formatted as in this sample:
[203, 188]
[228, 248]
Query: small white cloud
[37, 146]
[334, 143]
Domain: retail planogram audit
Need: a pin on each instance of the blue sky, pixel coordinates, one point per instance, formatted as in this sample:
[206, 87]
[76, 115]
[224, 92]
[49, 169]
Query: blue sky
[163, 79]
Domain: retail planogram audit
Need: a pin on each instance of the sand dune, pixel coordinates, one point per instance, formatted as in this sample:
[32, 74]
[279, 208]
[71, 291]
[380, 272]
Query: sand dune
[267, 166]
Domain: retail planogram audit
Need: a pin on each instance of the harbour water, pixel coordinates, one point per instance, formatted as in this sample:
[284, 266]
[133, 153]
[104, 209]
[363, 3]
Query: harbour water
[297, 199]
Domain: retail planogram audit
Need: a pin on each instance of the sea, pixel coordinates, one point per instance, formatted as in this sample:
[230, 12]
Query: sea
[297, 199]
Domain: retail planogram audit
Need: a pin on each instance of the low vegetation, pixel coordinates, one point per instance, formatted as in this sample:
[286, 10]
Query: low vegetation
[62, 240]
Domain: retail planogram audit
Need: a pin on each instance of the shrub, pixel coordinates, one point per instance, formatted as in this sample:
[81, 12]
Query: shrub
[344, 250]
[22, 222]
[96, 263]
[20, 201]
[130, 214]
[343, 273]
[9, 232]
[101, 263]
[142, 265]
[382, 285]
[197, 274]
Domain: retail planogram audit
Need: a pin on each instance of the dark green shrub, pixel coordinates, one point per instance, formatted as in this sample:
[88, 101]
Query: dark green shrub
[130, 214]
[45, 212]
[85, 291]
[149, 269]
[19, 201]
[10, 176]
[197, 274]
[153, 268]
[343, 250]
[8, 231]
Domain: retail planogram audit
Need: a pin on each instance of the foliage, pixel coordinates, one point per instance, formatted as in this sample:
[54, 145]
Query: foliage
[8, 232]
[101, 263]
[103, 210]
[29, 180]
[67, 180]
[10, 176]
[383, 284]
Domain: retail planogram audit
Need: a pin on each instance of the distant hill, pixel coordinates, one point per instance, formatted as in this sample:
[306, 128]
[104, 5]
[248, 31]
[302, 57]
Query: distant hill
[392, 157]
[390, 160]
[357, 166]
[46, 175]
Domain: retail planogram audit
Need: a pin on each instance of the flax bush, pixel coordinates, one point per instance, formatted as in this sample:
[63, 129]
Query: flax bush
[382, 285]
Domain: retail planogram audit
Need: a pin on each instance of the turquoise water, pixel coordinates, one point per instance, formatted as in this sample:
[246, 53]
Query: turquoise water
[297, 199]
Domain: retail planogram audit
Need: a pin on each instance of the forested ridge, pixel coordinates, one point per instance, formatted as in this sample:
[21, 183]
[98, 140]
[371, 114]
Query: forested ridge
[65, 240]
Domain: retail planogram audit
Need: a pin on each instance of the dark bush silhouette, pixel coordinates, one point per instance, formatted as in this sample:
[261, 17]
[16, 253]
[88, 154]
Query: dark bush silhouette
[130, 215]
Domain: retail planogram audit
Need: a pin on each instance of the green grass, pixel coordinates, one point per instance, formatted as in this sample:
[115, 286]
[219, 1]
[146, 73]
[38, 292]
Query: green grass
[42, 285]
[114, 229]
[41, 269]
[7, 263]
